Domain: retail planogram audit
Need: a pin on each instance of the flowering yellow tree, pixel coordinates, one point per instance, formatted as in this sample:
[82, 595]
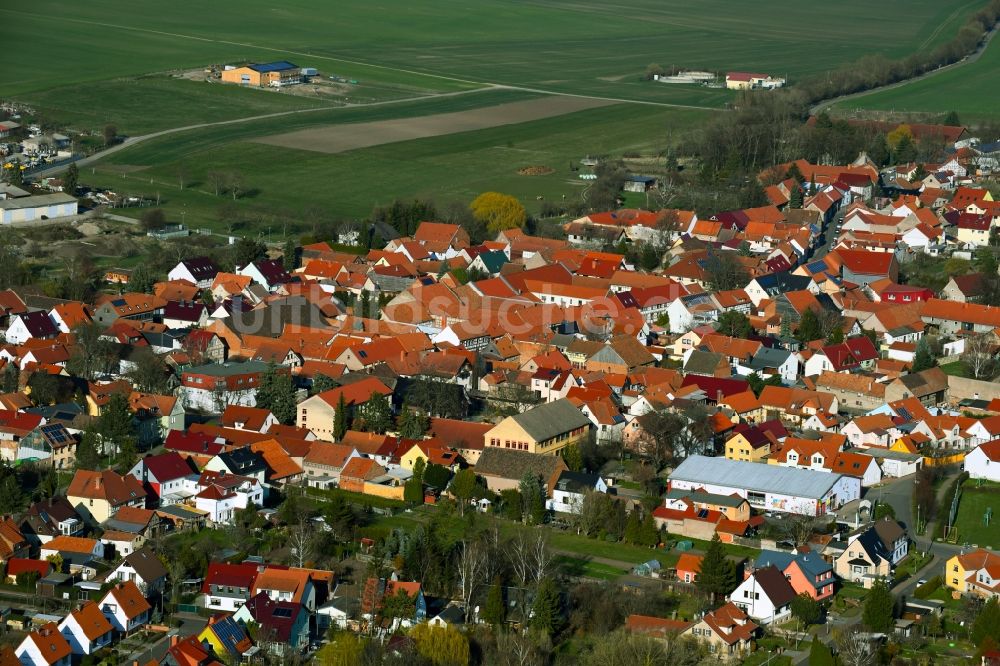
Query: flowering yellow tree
[498, 211]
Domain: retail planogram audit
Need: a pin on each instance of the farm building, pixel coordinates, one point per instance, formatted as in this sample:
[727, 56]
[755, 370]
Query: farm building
[639, 184]
[768, 487]
[749, 80]
[264, 75]
[40, 207]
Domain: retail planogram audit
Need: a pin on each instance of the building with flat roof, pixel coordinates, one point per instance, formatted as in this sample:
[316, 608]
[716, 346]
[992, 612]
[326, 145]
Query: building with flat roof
[264, 75]
[768, 487]
[39, 207]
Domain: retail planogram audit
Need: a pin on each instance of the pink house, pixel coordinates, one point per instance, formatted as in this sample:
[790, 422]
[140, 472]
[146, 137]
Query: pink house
[688, 566]
[807, 572]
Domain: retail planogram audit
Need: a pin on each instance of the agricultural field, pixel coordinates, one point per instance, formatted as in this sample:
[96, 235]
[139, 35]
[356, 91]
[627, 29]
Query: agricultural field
[975, 501]
[968, 88]
[588, 48]
[286, 182]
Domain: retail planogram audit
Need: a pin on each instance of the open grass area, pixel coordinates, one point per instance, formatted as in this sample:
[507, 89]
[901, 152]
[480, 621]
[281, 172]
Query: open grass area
[969, 89]
[588, 47]
[454, 167]
[583, 567]
[972, 506]
[956, 368]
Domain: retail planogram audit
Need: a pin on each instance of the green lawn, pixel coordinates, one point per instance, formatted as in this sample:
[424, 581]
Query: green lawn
[457, 167]
[583, 46]
[973, 504]
[970, 89]
[956, 368]
[581, 566]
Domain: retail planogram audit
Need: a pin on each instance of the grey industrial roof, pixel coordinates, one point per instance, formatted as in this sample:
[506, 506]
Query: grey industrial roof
[755, 476]
[546, 421]
[876, 452]
[36, 201]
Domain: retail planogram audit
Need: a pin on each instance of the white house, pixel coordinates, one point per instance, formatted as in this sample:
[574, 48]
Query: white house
[200, 271]
[45, 647]
[570, 488]
[86, 629]
[125, 607]
[269, 273]
[766, 595]
[983, 462]
[30, 326]
[220, 496]
[142, 568]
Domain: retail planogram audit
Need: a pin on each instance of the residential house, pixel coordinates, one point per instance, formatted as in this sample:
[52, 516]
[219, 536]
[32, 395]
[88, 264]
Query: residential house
[214, 386]
[324, 462]
[49, 518]
[765, 595]
[228, 586]
[570, 489]
[185, 314]
[199, 271]
[983, 462]
[12, 541]
[78, 553]
[86, 629]
[318, 413]
[546, 429]
[143, 568]
[163, 476]
[286, 585]
[951, 318]
[243, 462]
[976, 572]
[227, 639]
[268, 273]
[220, 495]
[656, 627]
[280, 623]
[253, 419]
[727, 631]
[807, 572]
[34, 325]
[504, 468]
[97, 496]
[873, 554]
[45, 646]
[131, 306]
[929, 386]
[688, 567]
[966, 288]
[376, 590]
[125, 607]
[751, 444]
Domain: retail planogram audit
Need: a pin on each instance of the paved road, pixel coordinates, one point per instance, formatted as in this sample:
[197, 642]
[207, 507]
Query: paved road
[825, 104]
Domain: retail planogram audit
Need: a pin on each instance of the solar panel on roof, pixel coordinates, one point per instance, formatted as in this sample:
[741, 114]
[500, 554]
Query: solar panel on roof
[118, 302]
[283, 612]
[816, 266]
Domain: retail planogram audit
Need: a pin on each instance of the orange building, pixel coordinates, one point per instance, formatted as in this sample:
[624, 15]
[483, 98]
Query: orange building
[265, 75]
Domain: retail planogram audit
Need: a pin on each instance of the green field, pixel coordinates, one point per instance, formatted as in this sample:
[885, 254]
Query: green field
[970, 89]
[455, 167]
[588, 47]
[971, 507]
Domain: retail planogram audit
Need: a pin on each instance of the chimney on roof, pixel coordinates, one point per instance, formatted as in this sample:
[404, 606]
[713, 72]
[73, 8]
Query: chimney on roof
[98, 481]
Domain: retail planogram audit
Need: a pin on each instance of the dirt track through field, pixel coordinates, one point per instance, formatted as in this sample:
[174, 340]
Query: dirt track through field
[351, 136]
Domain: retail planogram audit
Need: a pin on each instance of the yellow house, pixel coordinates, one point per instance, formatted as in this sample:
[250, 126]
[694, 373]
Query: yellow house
[976, 572]
[226, 637]
[98, 496]
[429, 453]
[751, 445]
[545, 429]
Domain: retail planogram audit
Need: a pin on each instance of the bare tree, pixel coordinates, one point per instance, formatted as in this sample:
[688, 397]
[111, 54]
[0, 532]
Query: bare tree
[217, 180]
[979, 356]
[300, 540]
[471, 573]
[235, 184]
[855, 647]
[521, 649]
[798, 529]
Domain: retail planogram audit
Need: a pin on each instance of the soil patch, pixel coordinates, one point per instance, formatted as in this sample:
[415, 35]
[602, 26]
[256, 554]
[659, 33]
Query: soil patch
[535, 171]
[352, 136]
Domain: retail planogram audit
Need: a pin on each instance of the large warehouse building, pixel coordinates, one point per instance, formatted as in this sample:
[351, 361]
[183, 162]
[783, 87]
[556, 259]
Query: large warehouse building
[768, 487]
[264, 75]
[39, 207]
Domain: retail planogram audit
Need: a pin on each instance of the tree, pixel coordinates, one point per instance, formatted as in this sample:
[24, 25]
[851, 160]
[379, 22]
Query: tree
[879, 606]
[437, 476]
[632, 526]
[809, 327]
[795, 197]
[12, 497]
[217, 179]
[110, 134]
[855, 647]
[117, 427]
[340, 419]
[141, 280]
[290, 255]
[375, 414]
[498, 211]
[923, 359]
[979, 357]
[276, 393]
[344, 650]
[884, 510]
[149, 374]
[819, 654]
[236, 184]
[413, 490]
[547, 609]
[734, 324]
[987, 623]
[88, 450]
[153, 219]
[510, 505]
[412, 424]
[806, 609]
[71, 179]
[753, 195]
[723, 271]
[649, 535]
[322, 383]
[463, 487]
[652, 71]
[247, 251]
[572, 457]
[13, 173]
[441, 646]
[494, 611]
[10, 378]
[532, 499]
[717, 576]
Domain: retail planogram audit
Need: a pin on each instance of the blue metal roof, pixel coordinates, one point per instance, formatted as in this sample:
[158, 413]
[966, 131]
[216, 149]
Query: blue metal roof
[277, 66]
